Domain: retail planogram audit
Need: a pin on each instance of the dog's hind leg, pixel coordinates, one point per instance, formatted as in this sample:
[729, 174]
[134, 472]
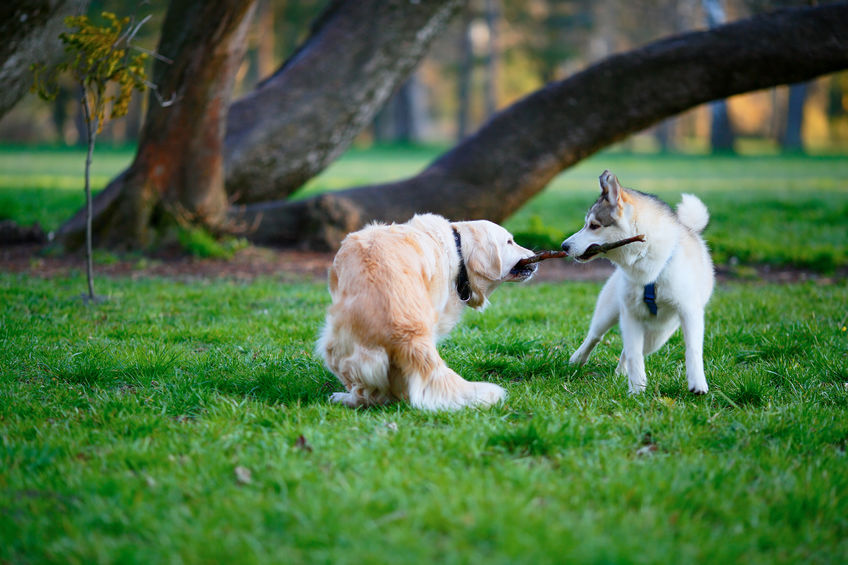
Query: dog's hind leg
[633, 337]
[432, 385]
[621, 368]
[693, 335]
[656, 337]
[364, 371]
[605, 316]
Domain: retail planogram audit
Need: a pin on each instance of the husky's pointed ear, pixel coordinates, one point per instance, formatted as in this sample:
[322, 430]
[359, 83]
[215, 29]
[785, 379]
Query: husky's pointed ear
[610, 188]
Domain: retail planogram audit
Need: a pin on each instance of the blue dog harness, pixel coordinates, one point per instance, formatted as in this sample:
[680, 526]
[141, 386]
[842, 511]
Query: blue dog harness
[650, 297]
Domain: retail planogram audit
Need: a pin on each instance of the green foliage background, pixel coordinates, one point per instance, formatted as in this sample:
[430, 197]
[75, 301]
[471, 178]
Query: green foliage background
[778, 210]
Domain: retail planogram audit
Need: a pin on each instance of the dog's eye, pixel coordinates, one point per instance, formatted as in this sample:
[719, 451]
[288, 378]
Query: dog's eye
[594, 226]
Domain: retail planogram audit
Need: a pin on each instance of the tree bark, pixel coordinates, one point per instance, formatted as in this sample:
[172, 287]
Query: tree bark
[30, 30]
[305, 115]
[522, 148]
[178, 173]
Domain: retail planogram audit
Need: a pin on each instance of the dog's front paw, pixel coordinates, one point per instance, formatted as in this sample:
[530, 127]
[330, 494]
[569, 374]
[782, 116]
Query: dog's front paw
[699, 389]
[698, 384]
[486, 394]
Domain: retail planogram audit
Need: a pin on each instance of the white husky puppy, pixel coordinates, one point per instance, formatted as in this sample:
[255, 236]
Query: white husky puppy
[657, 286]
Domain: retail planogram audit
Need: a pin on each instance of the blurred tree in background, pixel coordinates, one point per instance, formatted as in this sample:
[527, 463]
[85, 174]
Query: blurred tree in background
[500, 50]
[30, 33]
[529, 88]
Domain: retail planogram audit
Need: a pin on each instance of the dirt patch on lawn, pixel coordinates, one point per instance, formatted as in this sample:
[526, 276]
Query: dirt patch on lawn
[293, 265]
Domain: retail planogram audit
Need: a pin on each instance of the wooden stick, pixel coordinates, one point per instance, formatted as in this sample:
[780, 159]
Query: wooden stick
[540, 256]
[592, 250]
[595, 249]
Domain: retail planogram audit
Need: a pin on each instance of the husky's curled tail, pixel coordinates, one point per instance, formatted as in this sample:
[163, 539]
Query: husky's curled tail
[692, 213]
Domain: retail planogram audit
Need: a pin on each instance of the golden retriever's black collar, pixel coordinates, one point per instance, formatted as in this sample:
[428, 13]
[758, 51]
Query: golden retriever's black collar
[463, 286]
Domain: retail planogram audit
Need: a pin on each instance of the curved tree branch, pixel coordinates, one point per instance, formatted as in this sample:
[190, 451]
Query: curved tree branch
[305, 115]
[517, 153]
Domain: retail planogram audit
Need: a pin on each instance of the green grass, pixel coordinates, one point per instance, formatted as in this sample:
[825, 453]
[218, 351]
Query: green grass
[122, 426]
[187, 421]
[45, 185]
[775, 210]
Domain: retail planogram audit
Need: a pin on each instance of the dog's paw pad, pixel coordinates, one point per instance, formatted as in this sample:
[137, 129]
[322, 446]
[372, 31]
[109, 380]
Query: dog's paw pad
[698, 391]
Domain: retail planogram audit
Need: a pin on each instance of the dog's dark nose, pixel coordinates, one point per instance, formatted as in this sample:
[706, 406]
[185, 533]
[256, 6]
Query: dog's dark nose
[565, 246]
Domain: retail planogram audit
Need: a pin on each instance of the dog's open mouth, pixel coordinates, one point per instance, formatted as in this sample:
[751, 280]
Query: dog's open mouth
[525, 268]
[522, 271]
[590, 252]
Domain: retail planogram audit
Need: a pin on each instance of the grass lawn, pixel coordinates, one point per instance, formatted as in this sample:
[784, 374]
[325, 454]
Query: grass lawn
[187, 421]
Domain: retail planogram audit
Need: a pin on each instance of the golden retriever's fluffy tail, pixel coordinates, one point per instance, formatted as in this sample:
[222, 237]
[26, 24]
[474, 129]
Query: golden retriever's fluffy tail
[693, 213]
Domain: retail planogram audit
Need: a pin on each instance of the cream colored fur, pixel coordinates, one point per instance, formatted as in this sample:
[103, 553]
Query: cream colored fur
[394, 295]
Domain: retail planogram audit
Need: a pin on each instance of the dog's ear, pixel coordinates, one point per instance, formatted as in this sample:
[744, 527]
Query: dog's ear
[482, 253]
[610, 188]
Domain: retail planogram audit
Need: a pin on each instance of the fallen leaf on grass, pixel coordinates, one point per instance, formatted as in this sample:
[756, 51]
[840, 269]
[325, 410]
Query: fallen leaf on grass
[243, 475]
[301, 443]
[646, 450]
[648, 445]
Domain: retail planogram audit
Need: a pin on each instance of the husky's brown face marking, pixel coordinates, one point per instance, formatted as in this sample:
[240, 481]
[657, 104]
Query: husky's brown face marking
[602, 212]
[604, 221]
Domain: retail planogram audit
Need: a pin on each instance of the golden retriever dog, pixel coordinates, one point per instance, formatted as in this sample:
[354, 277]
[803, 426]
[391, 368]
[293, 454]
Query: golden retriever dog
[396, 289]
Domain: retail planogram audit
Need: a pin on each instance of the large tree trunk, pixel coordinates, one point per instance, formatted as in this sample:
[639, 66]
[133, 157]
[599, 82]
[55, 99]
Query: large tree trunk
[178, 172]
[30, 34]
[493, 57]
[522, 148]
[465, 72]
[304, 116]
[791, 139]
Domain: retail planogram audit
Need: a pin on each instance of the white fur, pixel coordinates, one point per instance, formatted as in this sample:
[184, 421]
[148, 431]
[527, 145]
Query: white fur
[393, 290]
[692, 213]
[673, 255]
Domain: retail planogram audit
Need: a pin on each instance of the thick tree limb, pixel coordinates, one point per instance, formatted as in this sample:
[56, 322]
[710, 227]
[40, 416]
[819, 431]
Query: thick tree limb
[522, 148]
[304, 116]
